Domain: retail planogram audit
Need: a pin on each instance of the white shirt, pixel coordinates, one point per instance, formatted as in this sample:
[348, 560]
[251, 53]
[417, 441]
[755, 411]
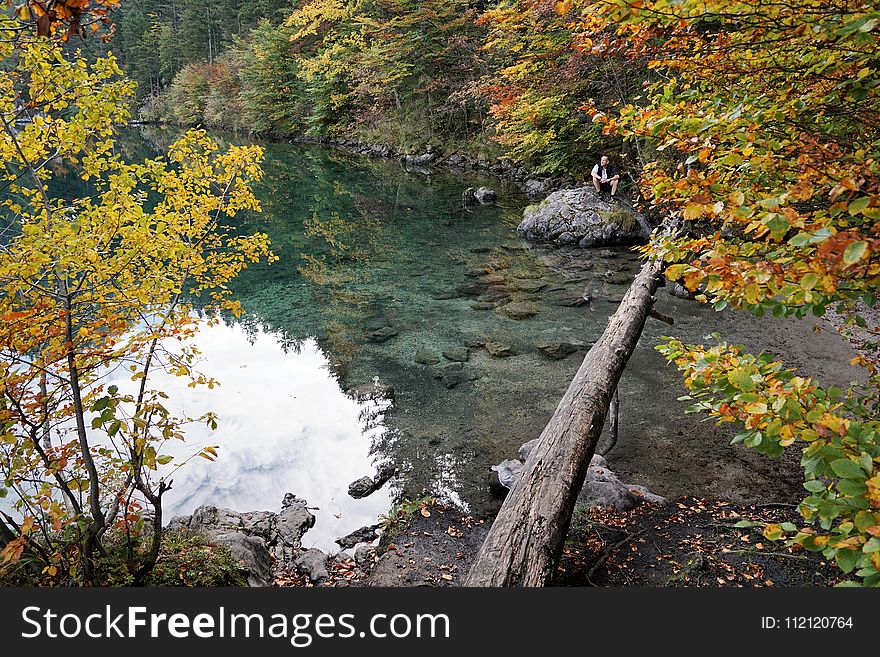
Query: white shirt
[603, 175]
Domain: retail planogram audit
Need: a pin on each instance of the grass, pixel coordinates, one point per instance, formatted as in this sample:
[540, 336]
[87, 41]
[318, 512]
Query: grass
[395, 521]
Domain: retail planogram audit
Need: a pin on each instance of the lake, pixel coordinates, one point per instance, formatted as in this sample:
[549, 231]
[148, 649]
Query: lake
[381, 272]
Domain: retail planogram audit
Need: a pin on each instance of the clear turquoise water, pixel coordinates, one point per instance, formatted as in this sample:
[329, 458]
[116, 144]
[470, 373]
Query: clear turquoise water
[363, 245]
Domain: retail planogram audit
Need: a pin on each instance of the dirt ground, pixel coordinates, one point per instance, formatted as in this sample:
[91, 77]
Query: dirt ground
[687, 542]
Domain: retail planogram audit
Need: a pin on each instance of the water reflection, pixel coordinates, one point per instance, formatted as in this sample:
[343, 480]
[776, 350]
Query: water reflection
[285, 425]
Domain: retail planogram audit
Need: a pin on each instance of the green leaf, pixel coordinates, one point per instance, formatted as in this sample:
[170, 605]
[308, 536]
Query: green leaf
[854, 252]
[814, 486]
[165, 459]
[859, 204]
[741, 380]
[847, 469]
[852, 488]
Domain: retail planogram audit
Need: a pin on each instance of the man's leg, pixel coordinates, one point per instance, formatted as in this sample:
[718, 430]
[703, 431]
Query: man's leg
[596, 184]
[614, 188]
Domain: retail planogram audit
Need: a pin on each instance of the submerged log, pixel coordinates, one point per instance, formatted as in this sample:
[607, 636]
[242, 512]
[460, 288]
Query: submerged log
[525, 541]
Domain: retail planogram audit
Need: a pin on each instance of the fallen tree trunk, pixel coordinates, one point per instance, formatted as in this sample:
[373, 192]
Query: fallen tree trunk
[525, 541]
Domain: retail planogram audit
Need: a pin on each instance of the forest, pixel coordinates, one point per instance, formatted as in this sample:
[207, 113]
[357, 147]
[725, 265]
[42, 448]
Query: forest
[747, 139]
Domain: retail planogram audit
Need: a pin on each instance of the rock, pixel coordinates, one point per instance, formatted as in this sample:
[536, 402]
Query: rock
[457, 354]
[292, 524]
[363, 555]
[493, 279]
[376, 323]
[374, 390]
[361, 487]
[313, 564]
[602, 488]
[570, 300]
[526, 449]
[493, 296]
[448, 368]
[251, 551]
[471, 289]
[425, 357]
[508, 471]
[679, 290]
[383, 334]
[420, 160]
[362, 535]
[474, 343]
[483, 305]
[617, 277]
[645, 494]
[556, 350]
[485, 195]
[443, 295]
[582, 216]
[457, 377]
[519, 310]
[367, 485]
[499, 350]
[536, 187]
[456, 160]
[468, 197]
[247, 535]
[528, 285]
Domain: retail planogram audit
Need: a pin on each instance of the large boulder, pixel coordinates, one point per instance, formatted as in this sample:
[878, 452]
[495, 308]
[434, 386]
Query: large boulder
[581, 216]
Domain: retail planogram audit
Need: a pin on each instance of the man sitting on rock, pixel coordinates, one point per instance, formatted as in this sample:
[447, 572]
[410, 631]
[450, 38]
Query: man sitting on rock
[605, 177]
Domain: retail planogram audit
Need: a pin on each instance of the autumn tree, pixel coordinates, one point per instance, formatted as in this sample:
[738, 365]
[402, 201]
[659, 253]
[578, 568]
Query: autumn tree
[765, 120]
[91, 287]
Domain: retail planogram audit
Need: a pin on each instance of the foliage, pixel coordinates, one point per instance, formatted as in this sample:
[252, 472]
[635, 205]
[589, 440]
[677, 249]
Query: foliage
[189, 559]
[538, 85]
[399, 516]
[94, 285]
[205, 94]
[767, 117]
[840, 430]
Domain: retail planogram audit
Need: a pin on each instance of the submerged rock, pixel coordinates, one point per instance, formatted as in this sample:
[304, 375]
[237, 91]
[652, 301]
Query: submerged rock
[374, 390]
[557, 350]
[459, 376]
[367, 485]
[383, 334]
[457, 354]
[528, 285]
[583, 216]
[499, 350]
[362, 535]
[425, 357]
[519, 310]
[570, 300]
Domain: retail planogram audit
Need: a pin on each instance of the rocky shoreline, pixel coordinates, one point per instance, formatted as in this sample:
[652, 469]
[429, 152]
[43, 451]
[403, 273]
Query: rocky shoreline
[269, 545]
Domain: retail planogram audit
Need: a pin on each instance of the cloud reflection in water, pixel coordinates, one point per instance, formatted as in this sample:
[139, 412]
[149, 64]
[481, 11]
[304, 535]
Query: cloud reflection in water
[285, 426]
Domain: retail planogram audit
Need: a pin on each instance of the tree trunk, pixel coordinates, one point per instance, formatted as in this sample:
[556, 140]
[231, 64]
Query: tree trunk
[613, 415]
[526, 539]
